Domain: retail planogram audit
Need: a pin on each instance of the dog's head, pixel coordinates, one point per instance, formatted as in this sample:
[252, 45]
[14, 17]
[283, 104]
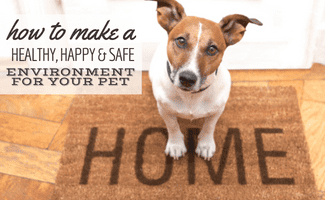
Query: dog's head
[196, 45]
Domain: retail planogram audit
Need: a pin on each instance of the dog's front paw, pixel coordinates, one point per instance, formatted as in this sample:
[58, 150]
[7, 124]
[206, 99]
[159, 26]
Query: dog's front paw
[175, 149]
[206, 148]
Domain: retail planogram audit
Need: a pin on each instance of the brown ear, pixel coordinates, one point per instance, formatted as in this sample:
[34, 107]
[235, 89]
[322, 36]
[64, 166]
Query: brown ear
[234, 27]
[169, 13]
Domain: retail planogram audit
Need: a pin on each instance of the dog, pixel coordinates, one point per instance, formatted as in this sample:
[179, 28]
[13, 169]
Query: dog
[187, 77]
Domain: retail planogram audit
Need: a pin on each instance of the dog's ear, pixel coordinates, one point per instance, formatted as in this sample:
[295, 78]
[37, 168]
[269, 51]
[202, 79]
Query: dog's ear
[169, 13]
[234, 27]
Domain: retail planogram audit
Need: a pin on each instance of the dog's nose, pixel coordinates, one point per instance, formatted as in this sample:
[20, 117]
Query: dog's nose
[187, 78]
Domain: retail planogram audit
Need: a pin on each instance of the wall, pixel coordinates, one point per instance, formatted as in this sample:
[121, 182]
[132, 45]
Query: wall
[286, 39]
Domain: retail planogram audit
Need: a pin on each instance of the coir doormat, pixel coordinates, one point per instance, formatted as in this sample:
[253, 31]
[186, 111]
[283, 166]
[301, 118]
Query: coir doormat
[115, 150]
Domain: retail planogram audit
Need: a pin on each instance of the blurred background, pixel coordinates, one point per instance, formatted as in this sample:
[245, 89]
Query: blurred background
[292, 37]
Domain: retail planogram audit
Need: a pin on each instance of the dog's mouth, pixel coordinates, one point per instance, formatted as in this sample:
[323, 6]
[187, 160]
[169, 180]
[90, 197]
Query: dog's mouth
[185, 89]
[192, 90]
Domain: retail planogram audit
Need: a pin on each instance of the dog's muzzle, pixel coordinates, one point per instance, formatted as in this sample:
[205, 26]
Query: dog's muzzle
[187, 79]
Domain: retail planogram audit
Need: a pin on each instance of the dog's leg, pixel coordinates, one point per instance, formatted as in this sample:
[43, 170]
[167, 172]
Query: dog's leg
[206, 146]
[175, 145]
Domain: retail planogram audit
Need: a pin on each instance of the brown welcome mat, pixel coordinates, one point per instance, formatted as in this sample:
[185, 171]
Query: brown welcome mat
[115, 150]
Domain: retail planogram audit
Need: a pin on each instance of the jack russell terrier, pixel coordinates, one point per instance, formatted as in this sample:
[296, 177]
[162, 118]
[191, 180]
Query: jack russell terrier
[187, 79]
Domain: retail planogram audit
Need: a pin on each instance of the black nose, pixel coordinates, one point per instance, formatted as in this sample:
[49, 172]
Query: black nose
[187, 78]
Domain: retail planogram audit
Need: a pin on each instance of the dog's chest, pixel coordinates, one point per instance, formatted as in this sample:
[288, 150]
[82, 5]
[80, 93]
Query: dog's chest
[191, 107]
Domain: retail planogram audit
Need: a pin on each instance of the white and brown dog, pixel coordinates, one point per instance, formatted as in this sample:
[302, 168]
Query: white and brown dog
[187, 78]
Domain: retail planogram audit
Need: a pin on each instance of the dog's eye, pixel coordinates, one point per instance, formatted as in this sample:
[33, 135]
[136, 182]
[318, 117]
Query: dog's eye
[212, 50]
[181, 42]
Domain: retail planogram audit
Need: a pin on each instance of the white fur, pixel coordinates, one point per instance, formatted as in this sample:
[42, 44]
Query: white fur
[173, 102]
[192, 64]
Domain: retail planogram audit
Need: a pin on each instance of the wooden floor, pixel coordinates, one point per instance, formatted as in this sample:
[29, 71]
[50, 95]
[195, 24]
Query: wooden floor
[33, 130]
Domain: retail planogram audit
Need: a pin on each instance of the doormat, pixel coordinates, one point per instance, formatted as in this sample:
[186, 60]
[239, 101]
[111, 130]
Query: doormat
[115, 150]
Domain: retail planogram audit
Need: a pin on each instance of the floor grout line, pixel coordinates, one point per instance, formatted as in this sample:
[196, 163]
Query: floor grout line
[27, 178]
[314, 101]
[30, 146]
[29, 117]
[64, 117]
[302, 95]
[275, 80]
